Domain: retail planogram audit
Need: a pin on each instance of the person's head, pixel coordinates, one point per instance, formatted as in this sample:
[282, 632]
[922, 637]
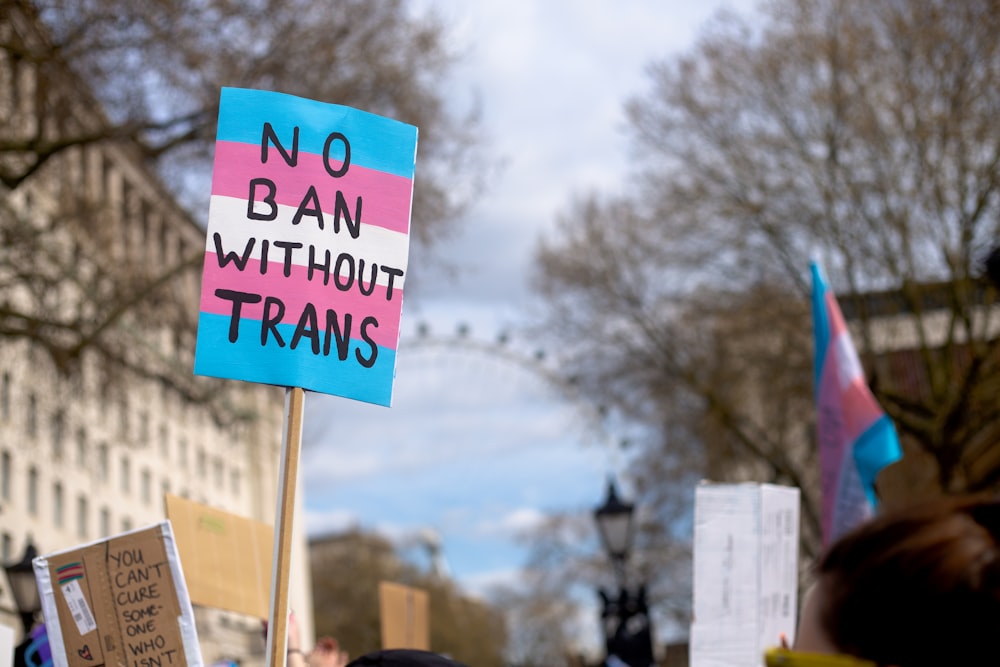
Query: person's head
[914, 587]
[403, 658]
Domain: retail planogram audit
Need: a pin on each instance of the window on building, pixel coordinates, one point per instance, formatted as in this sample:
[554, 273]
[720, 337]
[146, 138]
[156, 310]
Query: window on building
[164, 242]
[107, 180]
[123, 418]
[105, 522]
[6, 546]
[144, 428]
[32, 422]
[202, 463]
[125, 213]
[164, 442]
[126, 472]
[58, 430]
[234, 477]
[103, 462]
[104, 386]
[5, 395]
[81, 517]
[57, 505]
[33, 491]
[219, 473]
[5, 475]
[147, 486]
[126, 524]
[81, 447]
[182, 452]
[144, 223]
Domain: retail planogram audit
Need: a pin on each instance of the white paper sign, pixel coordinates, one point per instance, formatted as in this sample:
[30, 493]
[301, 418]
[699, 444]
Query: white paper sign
[745, 572]
[6, 646]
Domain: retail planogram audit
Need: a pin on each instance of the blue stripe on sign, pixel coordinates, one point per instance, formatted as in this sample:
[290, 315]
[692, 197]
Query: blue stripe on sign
[377, 142]
[248, 360]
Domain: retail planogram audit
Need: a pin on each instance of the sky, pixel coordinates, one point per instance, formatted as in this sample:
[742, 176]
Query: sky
[478, 447]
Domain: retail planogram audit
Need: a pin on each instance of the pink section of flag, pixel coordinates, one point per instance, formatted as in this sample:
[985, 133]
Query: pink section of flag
[856, 439]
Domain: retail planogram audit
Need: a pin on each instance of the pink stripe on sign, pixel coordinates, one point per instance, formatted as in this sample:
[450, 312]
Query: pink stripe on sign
[297, 290]
[385, 197]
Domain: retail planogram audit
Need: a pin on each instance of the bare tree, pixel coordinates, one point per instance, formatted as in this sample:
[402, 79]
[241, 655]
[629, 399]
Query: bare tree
[142, 80]
[859, 133]
[156, 70]
[471, 631]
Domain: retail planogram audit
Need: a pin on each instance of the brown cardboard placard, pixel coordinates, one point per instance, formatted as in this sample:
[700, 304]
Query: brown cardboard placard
[227, 558]
[120, 601]
[404, 616]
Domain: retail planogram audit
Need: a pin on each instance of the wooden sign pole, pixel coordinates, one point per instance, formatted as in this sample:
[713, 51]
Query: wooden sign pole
[277, 625]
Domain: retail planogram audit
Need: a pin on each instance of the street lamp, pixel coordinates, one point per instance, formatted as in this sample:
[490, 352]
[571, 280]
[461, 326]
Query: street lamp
[614, 523]
[625, 616]
[21, 576]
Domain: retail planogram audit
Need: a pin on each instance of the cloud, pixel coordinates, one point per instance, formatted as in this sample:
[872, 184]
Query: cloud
[332, 520]
[515, 523]
[482, 584]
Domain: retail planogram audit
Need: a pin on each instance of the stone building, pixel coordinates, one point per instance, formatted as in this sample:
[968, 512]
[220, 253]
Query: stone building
[100, 413]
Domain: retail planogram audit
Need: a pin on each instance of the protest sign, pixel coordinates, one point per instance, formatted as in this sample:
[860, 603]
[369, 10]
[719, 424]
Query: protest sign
[745, 572]
[307, 243]
[119, 601]
[305, 265]
[403, 611]
[6, 646]
[226, 557]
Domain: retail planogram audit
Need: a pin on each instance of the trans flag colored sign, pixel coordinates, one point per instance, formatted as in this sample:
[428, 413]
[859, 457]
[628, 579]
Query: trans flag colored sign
[307, 245]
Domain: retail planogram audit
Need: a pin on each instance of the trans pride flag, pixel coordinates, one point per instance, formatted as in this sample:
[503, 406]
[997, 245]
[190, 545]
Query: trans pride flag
[307, 244]
[856, 438]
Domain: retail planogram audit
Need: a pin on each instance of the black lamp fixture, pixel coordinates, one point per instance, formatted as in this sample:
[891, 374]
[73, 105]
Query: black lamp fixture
[21, 576]
[614, 523]
[625, 615]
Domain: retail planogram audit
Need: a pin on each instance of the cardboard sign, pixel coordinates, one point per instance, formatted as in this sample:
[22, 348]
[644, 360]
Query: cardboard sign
[746, 540]
[226, 557]
[120, 601]
[307, 243]
[403, 613]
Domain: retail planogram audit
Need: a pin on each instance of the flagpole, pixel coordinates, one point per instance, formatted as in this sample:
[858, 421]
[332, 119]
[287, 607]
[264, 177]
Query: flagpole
[291, 444]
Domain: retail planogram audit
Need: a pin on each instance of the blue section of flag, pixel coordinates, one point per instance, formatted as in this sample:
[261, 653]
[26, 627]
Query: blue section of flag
[247, 359]
[876, 448]
[377, 142]
[821, 321]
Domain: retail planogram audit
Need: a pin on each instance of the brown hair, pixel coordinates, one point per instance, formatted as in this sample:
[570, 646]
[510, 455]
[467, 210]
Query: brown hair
[919, 586]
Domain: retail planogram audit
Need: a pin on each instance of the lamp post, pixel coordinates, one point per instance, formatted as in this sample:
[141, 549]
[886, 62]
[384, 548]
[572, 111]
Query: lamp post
[614, 523]
[625, 616]
[21, 576]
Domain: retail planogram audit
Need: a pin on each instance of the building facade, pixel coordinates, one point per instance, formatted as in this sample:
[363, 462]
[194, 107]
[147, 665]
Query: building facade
[96, 428]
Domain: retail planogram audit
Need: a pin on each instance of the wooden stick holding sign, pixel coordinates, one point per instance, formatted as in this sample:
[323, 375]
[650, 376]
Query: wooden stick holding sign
[277, 623]
[305, 263]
